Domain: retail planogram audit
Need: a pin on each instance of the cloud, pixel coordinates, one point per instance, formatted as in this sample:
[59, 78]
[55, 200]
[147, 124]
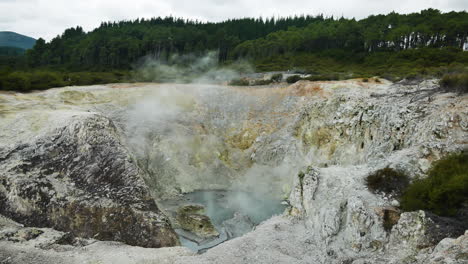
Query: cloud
[48, 18]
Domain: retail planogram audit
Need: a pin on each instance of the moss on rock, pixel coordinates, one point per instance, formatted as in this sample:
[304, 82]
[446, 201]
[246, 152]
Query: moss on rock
[191, 218]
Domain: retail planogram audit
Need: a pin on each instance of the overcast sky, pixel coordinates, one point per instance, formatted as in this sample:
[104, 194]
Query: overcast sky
[48, 18]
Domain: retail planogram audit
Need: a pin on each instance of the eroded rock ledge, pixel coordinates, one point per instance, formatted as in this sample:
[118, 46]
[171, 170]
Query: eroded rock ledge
[80, 179]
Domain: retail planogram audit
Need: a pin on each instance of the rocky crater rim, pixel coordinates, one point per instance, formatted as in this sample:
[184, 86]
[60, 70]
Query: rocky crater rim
[310, 143]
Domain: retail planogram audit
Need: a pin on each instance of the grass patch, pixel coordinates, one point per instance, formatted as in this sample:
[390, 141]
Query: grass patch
[394, 66]
[455, 82]
[25, 81]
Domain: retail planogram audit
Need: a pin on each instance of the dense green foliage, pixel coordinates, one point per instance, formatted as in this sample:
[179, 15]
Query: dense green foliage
[387, 180]
[118, 45]
[444, 191]
[11, 58]
[11, 51]
[392, 32]
[391, 46]
[389, 65]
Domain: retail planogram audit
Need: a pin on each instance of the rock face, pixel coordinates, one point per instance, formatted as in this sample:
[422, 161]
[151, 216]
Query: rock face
[19, 244]
[80, 179]
[408, 123]
[41, 238]
[302, 195]
[348, 133]
[449, 250]
[423, 229]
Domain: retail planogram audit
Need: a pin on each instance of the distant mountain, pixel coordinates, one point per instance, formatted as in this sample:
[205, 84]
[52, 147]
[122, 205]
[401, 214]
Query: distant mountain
[12, 39]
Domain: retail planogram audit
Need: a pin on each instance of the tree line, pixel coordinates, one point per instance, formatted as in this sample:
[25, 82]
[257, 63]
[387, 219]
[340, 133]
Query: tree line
[392, 46]
[393, 32]
[119, 45]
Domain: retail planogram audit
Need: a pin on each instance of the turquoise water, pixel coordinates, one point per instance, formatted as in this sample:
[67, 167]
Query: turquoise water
[220, 206]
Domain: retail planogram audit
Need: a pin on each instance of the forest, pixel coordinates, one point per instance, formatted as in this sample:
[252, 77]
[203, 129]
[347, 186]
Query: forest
[392, 46]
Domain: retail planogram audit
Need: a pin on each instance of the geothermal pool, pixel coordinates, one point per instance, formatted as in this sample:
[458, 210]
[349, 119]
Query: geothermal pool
[232, 213]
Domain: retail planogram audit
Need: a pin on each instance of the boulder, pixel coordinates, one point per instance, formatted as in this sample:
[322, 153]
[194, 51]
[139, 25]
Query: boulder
[422, 229]
[79, 178]
[238, 225]
[192, 219]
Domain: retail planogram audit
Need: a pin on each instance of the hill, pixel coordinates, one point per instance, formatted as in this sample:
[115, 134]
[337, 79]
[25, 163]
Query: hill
[12, 39]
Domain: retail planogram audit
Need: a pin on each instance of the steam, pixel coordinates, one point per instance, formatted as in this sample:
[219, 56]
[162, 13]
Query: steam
[189, 68]
[181, 134]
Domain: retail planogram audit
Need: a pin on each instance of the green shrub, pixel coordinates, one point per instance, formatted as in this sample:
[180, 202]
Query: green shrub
[262, 82]
[444, 191]
[278, 77]
[239, 82]
[16, 81]
[455, 82]
[293, 79]
[45, 80]
[90, 78]
[387, 180]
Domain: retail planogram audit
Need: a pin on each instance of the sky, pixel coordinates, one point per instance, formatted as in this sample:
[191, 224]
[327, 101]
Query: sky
[49, 18]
